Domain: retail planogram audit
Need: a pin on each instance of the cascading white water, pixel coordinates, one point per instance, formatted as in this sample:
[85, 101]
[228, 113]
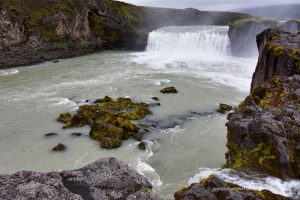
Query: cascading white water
[191, 41]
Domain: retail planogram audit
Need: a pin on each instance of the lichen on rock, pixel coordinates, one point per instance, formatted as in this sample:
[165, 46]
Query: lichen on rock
[110, 120]
[264, 133]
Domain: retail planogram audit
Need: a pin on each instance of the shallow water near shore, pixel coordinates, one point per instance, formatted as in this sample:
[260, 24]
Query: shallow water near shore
[199, 65]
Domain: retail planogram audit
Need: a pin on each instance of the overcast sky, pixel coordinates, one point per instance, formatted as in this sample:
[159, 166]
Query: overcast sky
[210, 4]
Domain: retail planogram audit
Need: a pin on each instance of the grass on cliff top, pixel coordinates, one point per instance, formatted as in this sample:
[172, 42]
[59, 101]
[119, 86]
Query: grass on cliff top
[253, 20]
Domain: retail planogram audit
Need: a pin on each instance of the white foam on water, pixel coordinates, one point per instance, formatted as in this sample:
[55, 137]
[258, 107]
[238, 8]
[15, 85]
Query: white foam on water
[161, 81]
[60, 101]
[289, 188]
[7, 72]
[145, 169]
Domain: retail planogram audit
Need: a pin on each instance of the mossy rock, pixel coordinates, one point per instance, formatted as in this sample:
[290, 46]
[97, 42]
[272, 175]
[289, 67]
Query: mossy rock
[105, 99]
[223, 108]
[168, 90]
[110, 143]
[59, 147]
[108, 118]
[155, 98]
[142, 145]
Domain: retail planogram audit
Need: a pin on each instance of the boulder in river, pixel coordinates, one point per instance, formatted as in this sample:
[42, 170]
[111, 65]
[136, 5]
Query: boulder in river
[110, 120]
[107, 178]
[223, 108]
[59, 147]
[168, 90]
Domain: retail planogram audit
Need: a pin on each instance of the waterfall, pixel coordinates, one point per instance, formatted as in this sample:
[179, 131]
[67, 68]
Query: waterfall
[190, 41]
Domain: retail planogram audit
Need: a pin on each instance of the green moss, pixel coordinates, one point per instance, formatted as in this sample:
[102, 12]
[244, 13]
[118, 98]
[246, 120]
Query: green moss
[223, 108]
[260, 193]
[110, 143]
[294, 52]
[168, 90]
[109, 119]
[59, 147]
[37, 10]
[251, 20]
[224, 166]
[297, 67]
[276, 50]
[264, 102]
[204, 181]
[258, 157]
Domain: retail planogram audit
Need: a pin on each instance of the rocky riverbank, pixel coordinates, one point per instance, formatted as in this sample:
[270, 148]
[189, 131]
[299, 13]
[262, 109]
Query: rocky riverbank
[264, 131]
[41, 30]
[104, 179]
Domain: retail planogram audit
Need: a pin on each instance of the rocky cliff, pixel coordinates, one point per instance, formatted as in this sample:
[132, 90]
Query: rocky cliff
[279, 55]
[104, 179]
[36, 30]
[242, 33]
[264, 132]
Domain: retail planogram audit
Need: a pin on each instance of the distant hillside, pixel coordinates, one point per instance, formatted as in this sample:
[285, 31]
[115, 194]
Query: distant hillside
[281, 12]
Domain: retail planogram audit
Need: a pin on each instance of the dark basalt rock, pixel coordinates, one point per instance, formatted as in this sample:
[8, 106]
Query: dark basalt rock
[50, 134]
[223, 108]
[142, 146]
[279, 55]
[264, 132]
[110, 120]
[104, 179]
[214, 188]
[76, 134]
[168, 90]
[59, 147]
[242, 33]
[155, 98]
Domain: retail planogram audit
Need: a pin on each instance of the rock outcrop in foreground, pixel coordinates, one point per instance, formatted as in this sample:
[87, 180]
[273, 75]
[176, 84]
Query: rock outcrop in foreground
[106, 179]
[32, 31]
[214, 188]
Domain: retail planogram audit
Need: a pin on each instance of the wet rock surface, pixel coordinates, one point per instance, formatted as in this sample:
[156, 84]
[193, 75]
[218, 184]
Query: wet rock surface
[279, 55]
[264, 133]
[214, 188]
[223, 108]
[59, 147]
[168, 90]
[104, 179]
[110, 120]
